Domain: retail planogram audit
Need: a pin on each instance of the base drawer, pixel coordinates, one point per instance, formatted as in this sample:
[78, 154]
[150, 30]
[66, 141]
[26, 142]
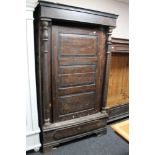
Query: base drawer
[52, 136]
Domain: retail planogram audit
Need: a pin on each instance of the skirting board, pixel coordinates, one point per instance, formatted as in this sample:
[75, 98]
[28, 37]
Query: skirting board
[33, 142]
[118, 112]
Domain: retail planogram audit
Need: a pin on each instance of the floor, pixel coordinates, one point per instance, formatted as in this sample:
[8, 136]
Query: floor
[109, 144]
[122, 128]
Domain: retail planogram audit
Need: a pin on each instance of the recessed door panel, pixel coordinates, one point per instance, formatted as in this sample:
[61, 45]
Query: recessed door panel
[77, 44]
[77, 69]
[76, 79]
[77, 102]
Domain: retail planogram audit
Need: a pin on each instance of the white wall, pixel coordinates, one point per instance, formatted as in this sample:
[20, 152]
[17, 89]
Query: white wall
[112, 6]
[32, 128]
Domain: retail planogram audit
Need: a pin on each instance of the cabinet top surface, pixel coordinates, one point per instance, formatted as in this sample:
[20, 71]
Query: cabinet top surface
[71, 13]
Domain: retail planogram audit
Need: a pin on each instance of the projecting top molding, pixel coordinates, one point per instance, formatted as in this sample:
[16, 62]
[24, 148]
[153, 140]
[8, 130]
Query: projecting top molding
[59, 12]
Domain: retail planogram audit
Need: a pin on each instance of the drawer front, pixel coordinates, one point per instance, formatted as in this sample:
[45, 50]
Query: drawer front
[68, 132]
[78, 59]
[75, 130]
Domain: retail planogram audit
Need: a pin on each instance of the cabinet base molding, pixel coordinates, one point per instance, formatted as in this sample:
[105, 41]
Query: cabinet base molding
[118, 112]
[69, 130]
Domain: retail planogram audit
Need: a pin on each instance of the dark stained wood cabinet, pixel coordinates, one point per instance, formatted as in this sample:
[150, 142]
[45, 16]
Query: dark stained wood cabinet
[72, 49]
[77, 68]
[118, 87]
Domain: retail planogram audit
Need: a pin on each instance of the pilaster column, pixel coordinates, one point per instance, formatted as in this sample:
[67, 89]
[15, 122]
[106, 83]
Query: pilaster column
[107, 67]
[45, 54]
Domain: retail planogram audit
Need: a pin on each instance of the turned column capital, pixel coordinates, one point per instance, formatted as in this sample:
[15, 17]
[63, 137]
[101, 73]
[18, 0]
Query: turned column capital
[109, 33]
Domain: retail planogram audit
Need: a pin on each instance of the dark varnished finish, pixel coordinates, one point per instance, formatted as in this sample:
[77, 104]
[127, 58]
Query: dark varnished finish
[76, 89]
[118, 112]
[78, 45]
[120, 45]
[72, 46]
[77, 79]
[69, 13]
[78, 61]
[82, 102]
[43, 69]
[120, 41]
[85, 101]
[71, 129]
[77, 69]
[107, 67]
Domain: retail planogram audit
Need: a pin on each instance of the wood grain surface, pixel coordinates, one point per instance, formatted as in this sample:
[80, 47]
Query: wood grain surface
[122, 129]
[118, 90]
[72, 46]
[78, 62]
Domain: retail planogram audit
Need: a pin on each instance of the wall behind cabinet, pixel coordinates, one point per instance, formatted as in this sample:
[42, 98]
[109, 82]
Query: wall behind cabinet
[119, 7]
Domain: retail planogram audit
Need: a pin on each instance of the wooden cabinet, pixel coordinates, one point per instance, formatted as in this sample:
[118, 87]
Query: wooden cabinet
[72, 58]
[118, 88]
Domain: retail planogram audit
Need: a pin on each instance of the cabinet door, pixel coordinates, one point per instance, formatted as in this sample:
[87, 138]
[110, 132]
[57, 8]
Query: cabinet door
[77, 71]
